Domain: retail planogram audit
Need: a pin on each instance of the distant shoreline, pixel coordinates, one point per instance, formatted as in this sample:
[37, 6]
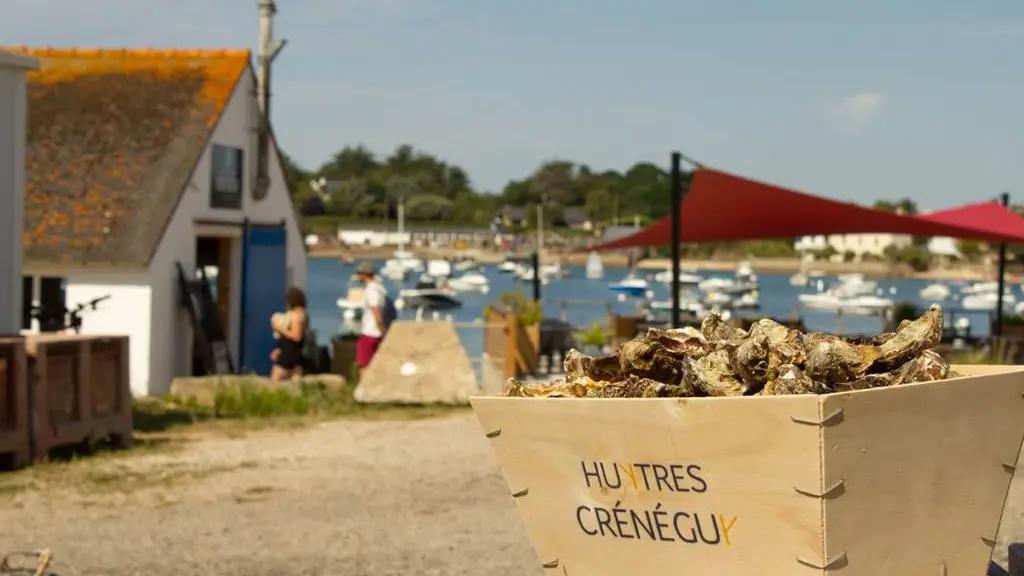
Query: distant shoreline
[618, 260]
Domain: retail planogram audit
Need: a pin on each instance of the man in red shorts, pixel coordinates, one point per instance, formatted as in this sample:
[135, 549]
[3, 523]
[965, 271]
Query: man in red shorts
[378, 313]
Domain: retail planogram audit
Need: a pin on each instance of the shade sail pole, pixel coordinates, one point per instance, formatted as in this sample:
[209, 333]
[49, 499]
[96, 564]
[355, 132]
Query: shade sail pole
[1004, 198]
[676, 211]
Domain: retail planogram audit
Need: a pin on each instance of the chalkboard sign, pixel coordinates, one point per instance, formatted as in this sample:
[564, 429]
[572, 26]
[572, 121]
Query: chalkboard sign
[226, 177]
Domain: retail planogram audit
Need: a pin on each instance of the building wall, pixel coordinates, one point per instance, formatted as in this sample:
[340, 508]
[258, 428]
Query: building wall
[171, 349]
[12, 186]
[859, 244]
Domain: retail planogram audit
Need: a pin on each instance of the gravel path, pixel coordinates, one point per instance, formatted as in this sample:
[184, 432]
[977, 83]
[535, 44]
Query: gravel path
[344, 498]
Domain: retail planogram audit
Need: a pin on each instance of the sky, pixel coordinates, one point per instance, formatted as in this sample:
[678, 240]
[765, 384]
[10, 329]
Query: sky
[853, 100]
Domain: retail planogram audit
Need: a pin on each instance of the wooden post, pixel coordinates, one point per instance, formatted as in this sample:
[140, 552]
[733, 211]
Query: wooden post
[511, 343]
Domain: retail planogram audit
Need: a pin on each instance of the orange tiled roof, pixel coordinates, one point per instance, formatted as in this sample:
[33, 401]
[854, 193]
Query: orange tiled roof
[113, 136]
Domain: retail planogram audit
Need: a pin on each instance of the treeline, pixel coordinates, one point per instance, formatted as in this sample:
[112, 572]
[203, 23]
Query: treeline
[356, 184]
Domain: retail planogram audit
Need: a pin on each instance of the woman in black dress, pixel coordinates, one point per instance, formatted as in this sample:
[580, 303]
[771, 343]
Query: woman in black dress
[290, 329]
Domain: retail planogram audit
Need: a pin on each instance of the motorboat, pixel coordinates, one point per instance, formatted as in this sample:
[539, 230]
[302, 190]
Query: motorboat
[987, 301]
[855, 285]
[799, 280]
[553, 271]
[510, 264]
[595, 268]
[981, 288]
[863, 305]
[465, 265]
[631, 285]
[686, 277]
[935, 292]
[428, 295]
[439, 268]
[527, 274]
[352, 304]
[470, 282]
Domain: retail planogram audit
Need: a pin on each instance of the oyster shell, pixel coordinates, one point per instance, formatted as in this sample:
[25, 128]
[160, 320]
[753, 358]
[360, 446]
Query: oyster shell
[711, 375]
[716, 329]
[754, 362]
[651, 359]
[631, 387]
[832, 360]
[911, 339]
[580, 366]
[687, 341]
[515, 388]
[927, 367]
[867, 381]
[792, 380]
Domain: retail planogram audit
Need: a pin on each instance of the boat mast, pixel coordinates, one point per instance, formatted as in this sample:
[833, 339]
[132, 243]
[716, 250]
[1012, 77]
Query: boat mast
[401, 224]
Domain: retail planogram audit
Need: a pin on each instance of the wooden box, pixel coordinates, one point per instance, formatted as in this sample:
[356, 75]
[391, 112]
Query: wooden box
[79, 391]
[905, 480]
[14, 414]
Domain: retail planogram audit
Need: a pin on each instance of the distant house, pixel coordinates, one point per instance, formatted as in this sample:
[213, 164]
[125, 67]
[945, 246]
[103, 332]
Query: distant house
[859, 244]
[138, 161]
[512, 215]
[573, 217]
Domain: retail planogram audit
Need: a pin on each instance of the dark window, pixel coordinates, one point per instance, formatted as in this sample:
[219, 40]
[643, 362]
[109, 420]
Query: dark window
[52, 300]
[225, 177]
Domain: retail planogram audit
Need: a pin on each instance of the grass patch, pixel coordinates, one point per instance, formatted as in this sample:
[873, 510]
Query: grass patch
[246, 404]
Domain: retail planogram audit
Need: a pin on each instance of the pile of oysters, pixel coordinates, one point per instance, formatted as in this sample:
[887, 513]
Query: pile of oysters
[769, 359]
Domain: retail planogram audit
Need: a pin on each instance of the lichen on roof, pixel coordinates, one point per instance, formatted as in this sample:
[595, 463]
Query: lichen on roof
[113, 135]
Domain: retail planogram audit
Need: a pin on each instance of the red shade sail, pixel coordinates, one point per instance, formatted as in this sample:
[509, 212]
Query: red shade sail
[991, 216]
[720, 207]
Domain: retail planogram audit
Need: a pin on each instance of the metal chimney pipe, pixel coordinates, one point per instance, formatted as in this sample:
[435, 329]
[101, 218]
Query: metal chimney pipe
[269, 48]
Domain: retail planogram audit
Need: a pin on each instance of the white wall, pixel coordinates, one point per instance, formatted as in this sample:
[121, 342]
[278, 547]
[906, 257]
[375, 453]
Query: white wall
[171, 352]
[13, 113]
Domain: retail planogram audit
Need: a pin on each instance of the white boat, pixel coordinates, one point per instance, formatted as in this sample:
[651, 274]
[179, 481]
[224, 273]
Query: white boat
[470, 282]
[748, 301]
[987, 301]
[352, 304]
[863, 305]
[799, 280]
[855, 285]
[686, 277]
[981, 288]
[595, 268]
[427, 296]
[631, 285]
[935, 292]
[526, 274]
[439, 268]
[466, 264]
[510, 265]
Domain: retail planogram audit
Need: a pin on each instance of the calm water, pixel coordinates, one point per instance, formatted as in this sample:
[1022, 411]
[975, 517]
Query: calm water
[328, 281]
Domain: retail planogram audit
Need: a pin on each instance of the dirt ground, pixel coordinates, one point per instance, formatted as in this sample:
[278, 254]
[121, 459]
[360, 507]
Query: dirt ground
[347, 498]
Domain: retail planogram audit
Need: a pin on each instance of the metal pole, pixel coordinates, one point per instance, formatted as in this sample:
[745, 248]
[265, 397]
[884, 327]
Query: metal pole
[1004, 198]
[675, 207]
[536, 276]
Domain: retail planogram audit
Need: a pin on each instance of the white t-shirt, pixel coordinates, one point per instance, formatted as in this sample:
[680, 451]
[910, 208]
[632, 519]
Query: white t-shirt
[375, 294]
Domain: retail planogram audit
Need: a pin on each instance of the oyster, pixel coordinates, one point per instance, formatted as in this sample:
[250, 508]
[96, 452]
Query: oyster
[911, 339]
[711, 375]
[753, 360]
[792, 380]
[867, 381]
[688, 342]
[651, 359]
[631, 387]
[515, 388]
[579, 366]
[832, 360]
[716, 329]
[927, 367]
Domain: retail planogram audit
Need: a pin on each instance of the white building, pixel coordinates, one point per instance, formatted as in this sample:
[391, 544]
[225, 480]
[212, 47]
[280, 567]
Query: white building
[944, 246]
[860, 244]
[140, 161]
[12, 184]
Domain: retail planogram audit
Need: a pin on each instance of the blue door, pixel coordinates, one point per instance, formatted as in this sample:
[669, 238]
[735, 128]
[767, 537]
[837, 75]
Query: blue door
[264, 278]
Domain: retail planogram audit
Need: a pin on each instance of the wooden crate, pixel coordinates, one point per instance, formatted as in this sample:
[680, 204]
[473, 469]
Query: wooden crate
[80, 391]
[15, 449]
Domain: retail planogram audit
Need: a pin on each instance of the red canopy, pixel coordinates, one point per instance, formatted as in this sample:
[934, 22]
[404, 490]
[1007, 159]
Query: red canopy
[991, 216]
[721, 207]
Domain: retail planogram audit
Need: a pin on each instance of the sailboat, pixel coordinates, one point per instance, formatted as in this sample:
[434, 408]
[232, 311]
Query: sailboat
[595, 268]
[403, 262]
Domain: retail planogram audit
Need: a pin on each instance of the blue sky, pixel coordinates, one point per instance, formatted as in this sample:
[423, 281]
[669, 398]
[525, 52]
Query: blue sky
[854, 100]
